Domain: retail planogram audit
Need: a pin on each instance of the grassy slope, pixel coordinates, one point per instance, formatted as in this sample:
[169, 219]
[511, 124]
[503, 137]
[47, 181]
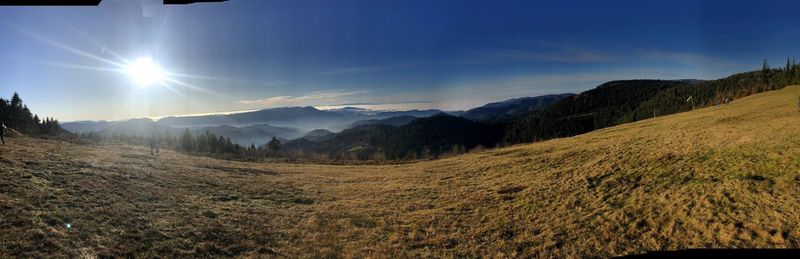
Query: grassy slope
[715, 177]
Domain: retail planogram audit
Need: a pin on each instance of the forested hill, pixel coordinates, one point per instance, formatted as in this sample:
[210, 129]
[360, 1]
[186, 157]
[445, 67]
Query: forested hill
[422, 138]
[620, 102]
[609, 104]
[603, 106]
[509, 109]
[707, 93]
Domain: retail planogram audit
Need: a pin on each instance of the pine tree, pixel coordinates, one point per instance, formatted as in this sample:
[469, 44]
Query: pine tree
[274, 144]
[212, 143]
[16, 102]
[186, 140]
[221, 147]
[229, 145]
[15, 108]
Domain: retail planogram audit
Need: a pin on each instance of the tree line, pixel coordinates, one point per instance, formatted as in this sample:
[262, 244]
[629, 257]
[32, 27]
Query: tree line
[16, 115]
[714, 92]
[205, 143]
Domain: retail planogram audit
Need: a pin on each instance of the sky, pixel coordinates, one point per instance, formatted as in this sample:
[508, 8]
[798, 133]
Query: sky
[73, 63]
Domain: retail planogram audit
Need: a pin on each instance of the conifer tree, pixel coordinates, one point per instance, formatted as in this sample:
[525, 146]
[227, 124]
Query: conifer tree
[186, 140]
[274, 144]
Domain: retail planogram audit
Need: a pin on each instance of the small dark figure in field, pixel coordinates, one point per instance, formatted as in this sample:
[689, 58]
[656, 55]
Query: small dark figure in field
[3, 132]
[153, 148]
[798, 104]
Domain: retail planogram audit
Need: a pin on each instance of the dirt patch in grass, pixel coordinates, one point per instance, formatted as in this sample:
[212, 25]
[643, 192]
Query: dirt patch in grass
[510, 189]
[241, 170]
[137, 156]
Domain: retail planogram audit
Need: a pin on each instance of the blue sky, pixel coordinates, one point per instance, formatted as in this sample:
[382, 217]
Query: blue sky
[69, 62]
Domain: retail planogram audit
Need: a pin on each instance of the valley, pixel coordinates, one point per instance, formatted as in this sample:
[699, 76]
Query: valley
[719, 176]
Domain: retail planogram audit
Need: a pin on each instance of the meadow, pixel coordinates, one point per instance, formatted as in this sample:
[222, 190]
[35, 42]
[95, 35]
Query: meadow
[716, 177]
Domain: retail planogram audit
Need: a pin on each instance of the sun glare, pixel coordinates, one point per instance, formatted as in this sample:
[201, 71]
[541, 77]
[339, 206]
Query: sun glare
[145, 72]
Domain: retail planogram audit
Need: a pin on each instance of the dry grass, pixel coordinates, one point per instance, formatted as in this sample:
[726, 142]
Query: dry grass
[716, 177]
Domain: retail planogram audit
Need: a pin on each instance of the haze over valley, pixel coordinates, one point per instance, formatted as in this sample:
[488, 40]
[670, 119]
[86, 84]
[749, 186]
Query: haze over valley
[399, 129]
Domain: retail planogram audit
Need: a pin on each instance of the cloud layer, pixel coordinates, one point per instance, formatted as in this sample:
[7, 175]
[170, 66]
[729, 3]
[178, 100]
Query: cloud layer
[331, 97]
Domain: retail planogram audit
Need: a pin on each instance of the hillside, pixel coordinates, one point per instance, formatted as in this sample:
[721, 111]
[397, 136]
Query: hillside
[391, 121]
[609, 104]
[318, 134]
[420, 138]
[512, 108]
[513, 121]
[713, 177]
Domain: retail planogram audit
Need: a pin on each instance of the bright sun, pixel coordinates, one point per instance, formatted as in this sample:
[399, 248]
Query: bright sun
[145, 72]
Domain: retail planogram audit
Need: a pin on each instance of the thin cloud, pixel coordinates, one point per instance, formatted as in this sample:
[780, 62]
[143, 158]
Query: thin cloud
[352, 70]
[694, 59]
[368, 69]
[544, 52]
[315, 98]
[399, 106]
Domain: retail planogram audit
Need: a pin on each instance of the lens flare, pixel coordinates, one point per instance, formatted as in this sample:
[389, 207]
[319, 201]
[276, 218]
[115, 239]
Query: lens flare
[145, 72]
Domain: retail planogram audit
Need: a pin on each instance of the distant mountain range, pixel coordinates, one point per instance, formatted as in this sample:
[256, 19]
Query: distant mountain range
[86, 126]
[292, 122]
[422, 137]
[304, 118]
[368, 134]
[133, 127]
[254, 134]
[249, 127]
[524, 119]
[295, 122]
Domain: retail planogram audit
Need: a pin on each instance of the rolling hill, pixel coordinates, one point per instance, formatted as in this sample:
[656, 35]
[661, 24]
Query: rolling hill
[519, 120]
[512, 108]
[318, 134]
[137, 127]
[253, 134]
[715, 177]
[86, 126]
[306, 118]
[391, 121]
[428, 137]
[278, 116]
